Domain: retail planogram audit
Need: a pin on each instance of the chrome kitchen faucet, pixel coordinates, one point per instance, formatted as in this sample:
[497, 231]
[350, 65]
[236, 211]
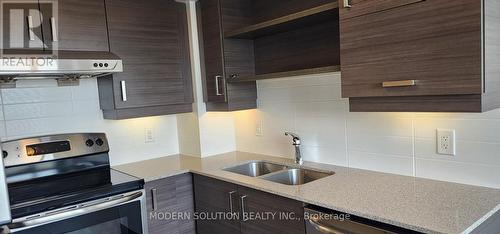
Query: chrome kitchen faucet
[296, 144]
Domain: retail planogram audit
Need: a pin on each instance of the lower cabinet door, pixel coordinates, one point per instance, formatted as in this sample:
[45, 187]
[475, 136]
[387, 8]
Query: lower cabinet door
[254, 212]
[215, 200]
[265, 213]
[170, 205]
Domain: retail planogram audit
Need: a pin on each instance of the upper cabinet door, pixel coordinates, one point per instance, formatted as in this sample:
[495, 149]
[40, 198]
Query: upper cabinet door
[74, 25]
[211, 30]
[21, 27]
[426, 48]
[151, 37]
[354, 8]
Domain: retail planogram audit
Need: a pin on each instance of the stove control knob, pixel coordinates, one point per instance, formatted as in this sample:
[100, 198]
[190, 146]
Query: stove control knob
[99, 142]
[4, 154]
[89, 143]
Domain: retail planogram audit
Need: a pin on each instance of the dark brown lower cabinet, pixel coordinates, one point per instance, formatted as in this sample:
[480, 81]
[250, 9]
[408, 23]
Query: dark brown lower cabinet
[254, 211]
[215, 197]
[277, 214]
[166, 198]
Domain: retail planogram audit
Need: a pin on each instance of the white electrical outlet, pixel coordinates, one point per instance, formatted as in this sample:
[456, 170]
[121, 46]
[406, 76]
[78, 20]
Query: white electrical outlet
[446, 142]
[259, 128]
[149, 136]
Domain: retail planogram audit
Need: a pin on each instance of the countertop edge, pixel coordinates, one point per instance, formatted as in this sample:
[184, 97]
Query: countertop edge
[166, 175]
[482, 220]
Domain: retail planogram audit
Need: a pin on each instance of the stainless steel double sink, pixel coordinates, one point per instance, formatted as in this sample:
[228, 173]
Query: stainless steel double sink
[279, 173]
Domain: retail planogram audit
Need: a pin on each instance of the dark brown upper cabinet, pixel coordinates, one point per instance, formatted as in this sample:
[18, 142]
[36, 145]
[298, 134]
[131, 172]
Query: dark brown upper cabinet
[248, 40]
[151, 37]
[422, 56]
[77, 25]
[225, 58]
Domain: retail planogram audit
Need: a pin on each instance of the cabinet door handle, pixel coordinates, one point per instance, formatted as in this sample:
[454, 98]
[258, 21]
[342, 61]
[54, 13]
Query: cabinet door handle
[243, 211]
[54, 29]
[30, 28]
[347, 4]
[217, 91]
[124, 90]
[154, 196]
[399, 83]
[231, 201]
[324, 229]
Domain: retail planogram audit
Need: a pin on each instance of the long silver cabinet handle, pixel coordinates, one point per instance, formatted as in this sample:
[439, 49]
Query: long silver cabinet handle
[154, 198]
[243, 211]
[30, 28]
[231, 201]
[73, 211]
[123, 85]
[217, 91]
[399, 83]
[324, 229]
[347, 4]
[54, 29]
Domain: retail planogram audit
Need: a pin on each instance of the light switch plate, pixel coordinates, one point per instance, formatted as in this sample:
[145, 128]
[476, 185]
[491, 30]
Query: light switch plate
[446, 142]
[259, 128]
[149, 136]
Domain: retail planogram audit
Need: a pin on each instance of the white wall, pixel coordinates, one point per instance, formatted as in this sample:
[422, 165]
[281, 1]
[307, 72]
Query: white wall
[203, 133]
[401, 143]
[40, 107]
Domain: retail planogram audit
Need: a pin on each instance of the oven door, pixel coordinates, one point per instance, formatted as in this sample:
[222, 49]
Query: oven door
[121, 214]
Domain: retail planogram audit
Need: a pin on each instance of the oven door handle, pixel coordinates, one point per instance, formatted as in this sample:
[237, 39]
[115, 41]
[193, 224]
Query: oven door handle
[73, 211]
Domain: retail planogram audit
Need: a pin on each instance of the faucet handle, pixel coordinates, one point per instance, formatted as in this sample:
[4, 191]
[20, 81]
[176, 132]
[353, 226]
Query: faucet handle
[295, 137]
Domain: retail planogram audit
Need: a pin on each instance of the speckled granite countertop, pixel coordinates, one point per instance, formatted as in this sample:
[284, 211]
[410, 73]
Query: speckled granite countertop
[418, 204]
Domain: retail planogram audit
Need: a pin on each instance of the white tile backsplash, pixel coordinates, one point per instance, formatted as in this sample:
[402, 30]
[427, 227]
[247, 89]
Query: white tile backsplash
[36, 95]
[40, 108]
[402, 146]
[382, 124]
[476, 174]
[484, 130]
[334, 155]
[395, 164]
[401, 143]
[467, 152]
[37, 110]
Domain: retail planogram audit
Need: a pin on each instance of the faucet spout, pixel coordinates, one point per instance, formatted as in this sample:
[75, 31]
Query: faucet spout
[296, 144]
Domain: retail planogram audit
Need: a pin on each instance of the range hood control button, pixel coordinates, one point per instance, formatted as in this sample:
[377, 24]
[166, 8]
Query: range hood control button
[99, 142]
[89, 143]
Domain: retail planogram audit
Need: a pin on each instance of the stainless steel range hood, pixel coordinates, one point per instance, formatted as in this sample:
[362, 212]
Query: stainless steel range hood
[65, 66]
